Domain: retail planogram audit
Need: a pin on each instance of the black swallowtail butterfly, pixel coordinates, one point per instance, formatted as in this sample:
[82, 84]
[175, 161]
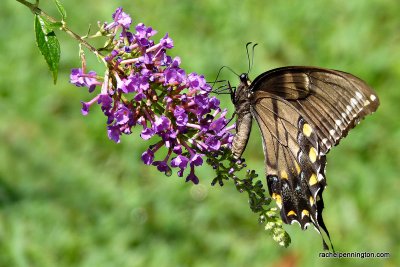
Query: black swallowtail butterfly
[302, 112]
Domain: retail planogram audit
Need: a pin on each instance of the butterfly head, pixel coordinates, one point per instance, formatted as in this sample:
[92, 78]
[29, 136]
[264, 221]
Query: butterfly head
[244, 79]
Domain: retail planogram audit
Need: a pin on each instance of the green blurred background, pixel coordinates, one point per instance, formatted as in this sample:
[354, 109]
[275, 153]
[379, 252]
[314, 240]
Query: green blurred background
[71, 197]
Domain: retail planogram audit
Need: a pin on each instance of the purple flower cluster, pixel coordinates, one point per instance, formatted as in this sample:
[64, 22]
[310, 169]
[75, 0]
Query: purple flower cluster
[145, 87]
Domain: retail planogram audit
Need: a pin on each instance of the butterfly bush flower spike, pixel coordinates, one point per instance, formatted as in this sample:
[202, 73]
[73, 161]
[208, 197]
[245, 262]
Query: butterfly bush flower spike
[145, 87]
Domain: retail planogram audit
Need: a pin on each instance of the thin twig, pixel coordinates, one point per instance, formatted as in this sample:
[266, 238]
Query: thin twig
[37, 11]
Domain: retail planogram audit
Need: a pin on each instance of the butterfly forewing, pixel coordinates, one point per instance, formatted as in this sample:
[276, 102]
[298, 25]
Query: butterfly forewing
[332, 101]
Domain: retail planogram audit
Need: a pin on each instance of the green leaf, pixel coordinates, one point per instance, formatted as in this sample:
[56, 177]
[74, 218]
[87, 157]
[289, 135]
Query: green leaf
[49, 26]
[61, 9]
[48, 45]
[52, 25]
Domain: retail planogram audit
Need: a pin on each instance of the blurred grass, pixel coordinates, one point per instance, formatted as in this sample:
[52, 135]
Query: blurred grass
[71, 197]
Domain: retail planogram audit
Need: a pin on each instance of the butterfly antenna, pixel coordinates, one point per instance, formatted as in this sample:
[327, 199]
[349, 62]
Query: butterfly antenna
[248, 56]
[252, 58]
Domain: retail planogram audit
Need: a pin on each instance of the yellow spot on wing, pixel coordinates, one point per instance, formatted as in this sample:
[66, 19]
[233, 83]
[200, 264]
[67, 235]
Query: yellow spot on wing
[311, 201]
[307, 130]
[313, 154]
[305, 213]
[284, 175]
[313, 179]
[278, 199]
[297, 168]
[291, 213]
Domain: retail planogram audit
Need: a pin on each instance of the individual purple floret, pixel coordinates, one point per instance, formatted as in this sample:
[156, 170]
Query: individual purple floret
[181, 116]
[180, 162]
[80, 79]
[148, 157]
[121, 19]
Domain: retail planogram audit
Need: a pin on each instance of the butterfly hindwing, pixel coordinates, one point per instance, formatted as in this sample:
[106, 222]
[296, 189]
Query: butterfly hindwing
[294, 169]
